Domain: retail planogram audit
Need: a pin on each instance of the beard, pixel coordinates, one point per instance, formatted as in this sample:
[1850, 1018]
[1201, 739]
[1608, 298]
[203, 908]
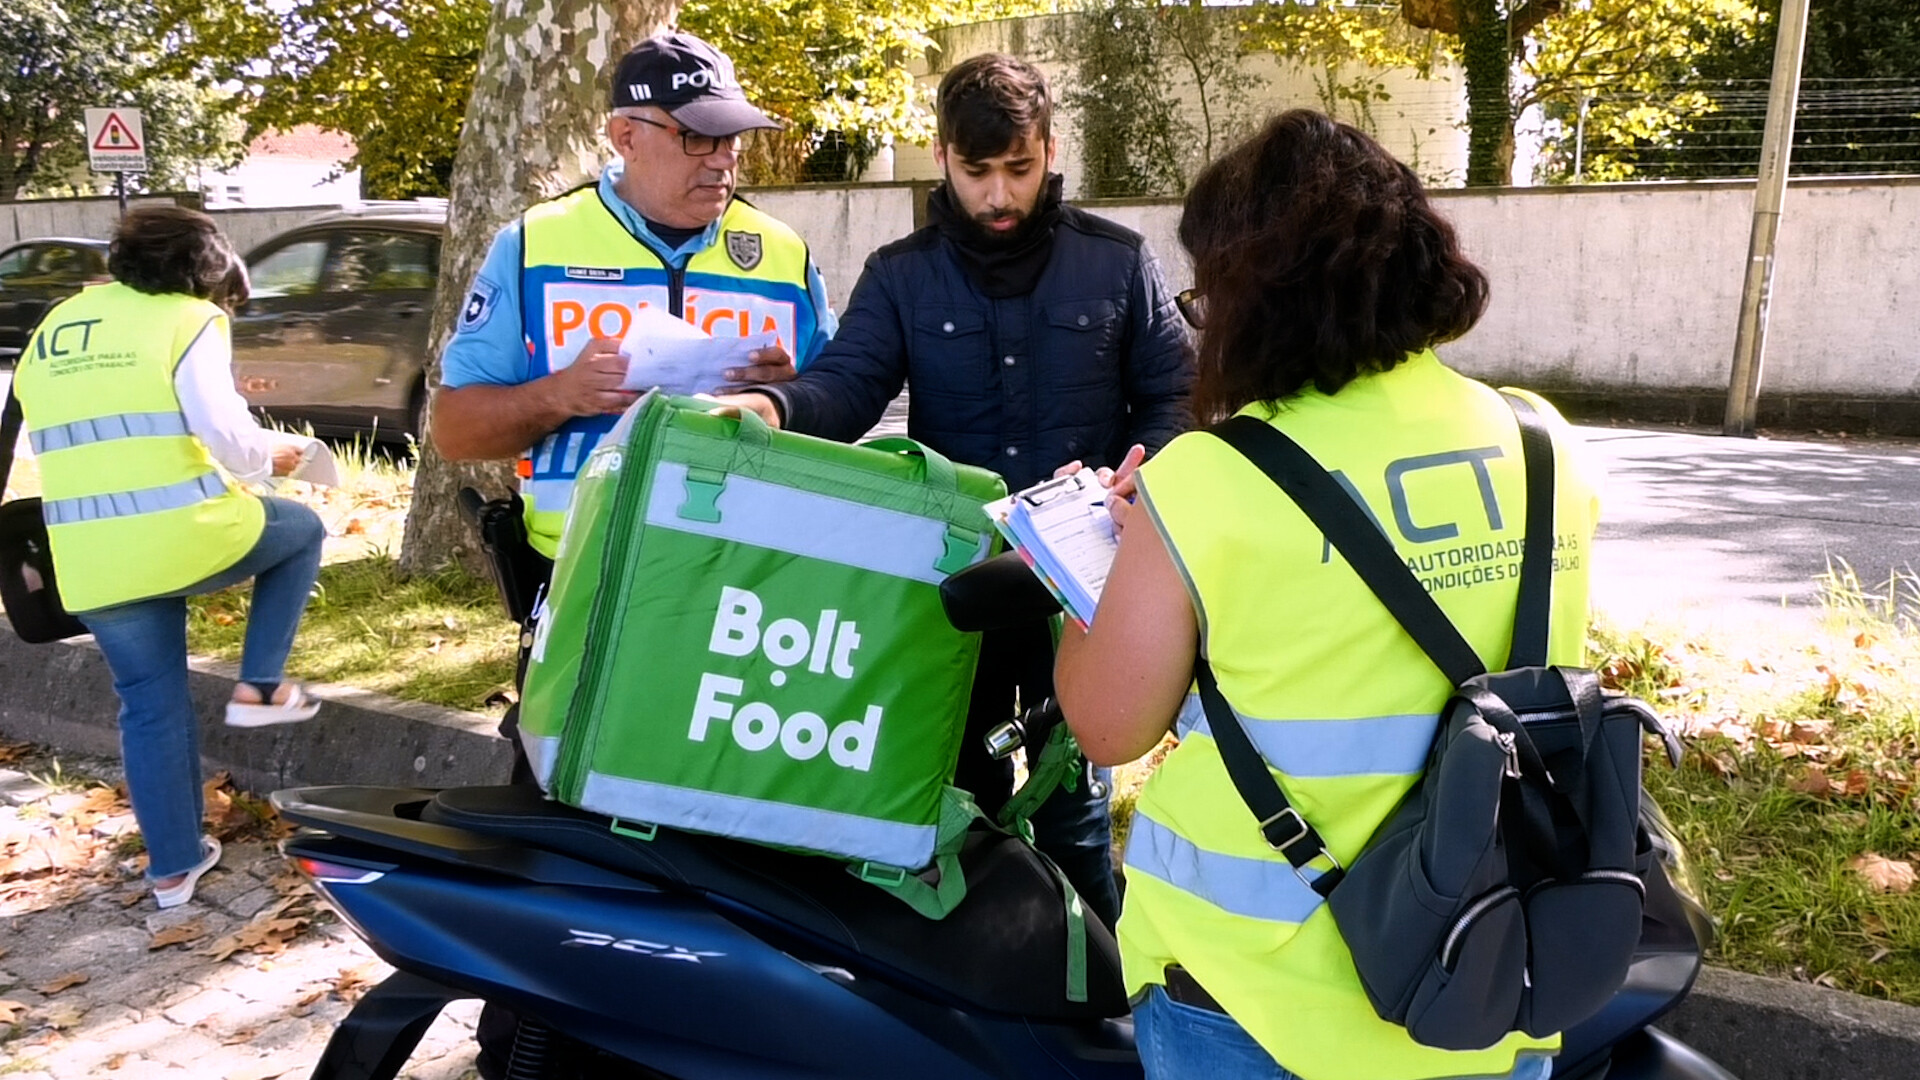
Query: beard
[983, 237]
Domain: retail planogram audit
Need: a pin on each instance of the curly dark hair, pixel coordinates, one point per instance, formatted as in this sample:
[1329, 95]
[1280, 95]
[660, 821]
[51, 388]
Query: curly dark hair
[171, 249]
[987, 101]
[1317, 258]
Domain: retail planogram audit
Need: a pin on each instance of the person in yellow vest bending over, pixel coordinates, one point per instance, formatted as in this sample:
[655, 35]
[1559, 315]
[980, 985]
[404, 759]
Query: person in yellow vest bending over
[1323, 278]
[143, 443]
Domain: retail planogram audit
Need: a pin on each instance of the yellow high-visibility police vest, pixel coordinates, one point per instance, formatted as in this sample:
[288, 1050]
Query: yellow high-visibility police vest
[1340, 701]
[134, 504]
[584, 275]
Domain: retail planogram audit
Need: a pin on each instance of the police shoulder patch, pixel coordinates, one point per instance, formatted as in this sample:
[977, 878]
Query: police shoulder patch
[479, 306]
[744, 249]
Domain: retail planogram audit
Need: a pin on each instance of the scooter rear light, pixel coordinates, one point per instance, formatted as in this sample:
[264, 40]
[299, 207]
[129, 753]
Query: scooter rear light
[337, 873]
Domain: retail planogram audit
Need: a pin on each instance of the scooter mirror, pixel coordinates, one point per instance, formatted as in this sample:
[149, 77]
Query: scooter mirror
[994, 594]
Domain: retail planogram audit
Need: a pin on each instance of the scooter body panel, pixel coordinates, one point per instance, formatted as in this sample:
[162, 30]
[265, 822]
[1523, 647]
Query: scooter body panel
[662, 978]
[694, 987]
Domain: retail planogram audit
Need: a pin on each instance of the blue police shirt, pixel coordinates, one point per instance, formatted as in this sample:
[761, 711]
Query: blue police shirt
[488, 347]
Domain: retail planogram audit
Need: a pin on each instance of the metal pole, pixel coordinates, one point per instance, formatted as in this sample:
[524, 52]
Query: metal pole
[120, 189]
[1770, 189]
[1580, 141]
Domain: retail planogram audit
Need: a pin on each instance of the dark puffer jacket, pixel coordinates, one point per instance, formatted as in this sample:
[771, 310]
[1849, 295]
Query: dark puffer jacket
[1093, 360]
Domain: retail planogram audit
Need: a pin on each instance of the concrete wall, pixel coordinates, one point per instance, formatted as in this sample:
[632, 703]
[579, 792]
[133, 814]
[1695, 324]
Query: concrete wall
[1620, 297]
[843, 224]
[95, 218]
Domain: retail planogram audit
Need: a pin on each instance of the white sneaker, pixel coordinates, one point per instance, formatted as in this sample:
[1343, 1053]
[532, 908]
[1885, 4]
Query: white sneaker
[175, 895]
[299, 706]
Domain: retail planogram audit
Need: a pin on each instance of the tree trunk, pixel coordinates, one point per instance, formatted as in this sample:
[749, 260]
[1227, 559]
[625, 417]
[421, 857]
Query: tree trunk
[533, 129]
[1487, 54]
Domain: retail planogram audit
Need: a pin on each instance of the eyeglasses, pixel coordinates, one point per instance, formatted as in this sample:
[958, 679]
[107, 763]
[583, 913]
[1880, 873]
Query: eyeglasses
[693, 143]
[1193, 307]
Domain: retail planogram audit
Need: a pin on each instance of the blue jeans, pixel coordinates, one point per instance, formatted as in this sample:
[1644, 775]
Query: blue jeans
[145, 644]
[1178, 1041]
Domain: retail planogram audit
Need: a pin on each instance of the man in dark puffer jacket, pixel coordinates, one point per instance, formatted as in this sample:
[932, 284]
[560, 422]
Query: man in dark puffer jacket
[1036, 337]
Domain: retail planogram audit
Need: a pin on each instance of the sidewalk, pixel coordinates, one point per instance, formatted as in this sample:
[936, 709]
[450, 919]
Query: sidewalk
[98, 983]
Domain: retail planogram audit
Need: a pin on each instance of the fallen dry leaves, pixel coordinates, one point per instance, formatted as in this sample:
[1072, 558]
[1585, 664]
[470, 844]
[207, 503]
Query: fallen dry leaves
[178, 934]
[1884, 874]
[272, 930]
[63, 982]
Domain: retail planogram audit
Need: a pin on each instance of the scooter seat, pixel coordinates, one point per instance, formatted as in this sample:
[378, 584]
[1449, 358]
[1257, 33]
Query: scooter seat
[1004, 949]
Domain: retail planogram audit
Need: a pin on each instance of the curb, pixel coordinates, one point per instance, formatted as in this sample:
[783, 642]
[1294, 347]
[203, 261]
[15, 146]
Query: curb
[1772, 1029]
[61, 695]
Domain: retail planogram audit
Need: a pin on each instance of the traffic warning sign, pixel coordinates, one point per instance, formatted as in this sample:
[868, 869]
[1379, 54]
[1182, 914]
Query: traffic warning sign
[116, 140]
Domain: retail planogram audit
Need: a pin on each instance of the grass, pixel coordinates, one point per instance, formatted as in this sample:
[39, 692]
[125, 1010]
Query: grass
[1801, 762]
[441, 638]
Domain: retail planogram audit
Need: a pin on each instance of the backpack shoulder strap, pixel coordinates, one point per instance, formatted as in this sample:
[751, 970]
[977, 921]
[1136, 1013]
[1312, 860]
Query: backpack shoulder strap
[1532, 611]
[1348, 528]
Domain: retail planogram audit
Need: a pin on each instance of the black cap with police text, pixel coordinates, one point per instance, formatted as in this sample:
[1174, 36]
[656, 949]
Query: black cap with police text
[690, 79]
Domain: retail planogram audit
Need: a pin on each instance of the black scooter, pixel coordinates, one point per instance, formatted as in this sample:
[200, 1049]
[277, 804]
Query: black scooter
[681, 956]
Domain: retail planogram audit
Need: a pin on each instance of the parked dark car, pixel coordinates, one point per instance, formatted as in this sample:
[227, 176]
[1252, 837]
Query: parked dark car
[37, 274]
[336, 333]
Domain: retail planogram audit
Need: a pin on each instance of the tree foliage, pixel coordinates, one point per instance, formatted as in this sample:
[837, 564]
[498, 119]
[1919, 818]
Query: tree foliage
[393, 74]
[64, 56]
[1346, 47]
[1134, 64]
[1488, 36]
[396, 74]
[1859, 108]
[1630, 61]
[834, 70]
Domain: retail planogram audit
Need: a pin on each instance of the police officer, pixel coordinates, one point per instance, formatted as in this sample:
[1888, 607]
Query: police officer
[534, 368]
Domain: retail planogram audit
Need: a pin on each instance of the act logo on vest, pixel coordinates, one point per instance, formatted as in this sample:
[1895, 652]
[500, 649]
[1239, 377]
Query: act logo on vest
[825, 648]
[577, 313]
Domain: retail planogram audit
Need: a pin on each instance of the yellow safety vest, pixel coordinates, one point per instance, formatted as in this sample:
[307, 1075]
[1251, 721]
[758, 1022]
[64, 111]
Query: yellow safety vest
[1341, 702]
[135, 506]
[583, 275]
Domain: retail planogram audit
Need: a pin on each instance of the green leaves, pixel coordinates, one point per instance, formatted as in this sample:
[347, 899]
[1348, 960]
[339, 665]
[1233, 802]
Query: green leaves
[69, 55]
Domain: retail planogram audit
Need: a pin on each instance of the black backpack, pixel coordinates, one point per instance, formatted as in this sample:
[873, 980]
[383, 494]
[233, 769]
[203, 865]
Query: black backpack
[1504, 893]
[27, 585]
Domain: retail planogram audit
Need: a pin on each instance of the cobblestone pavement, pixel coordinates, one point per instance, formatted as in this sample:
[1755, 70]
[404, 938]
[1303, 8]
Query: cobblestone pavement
[91, 996]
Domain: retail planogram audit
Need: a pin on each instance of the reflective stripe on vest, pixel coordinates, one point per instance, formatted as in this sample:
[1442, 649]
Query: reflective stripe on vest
[151, 500]
[584, 275]
[1340, 703]
[106, 428]
[1365, 746]
[1241, 886]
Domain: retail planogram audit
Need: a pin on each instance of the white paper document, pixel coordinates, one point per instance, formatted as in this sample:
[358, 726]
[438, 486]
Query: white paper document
[1062, 529]
[317, 463]
[666, 351]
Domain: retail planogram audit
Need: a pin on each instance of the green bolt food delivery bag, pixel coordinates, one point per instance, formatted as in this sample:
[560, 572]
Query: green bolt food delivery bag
[744, 634]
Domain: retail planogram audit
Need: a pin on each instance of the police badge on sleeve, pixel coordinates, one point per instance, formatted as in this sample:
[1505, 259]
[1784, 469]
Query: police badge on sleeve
[478, 308]
[744, 249]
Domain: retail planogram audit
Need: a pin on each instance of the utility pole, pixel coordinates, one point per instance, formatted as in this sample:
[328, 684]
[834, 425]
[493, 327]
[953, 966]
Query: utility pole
[1769, 192]
[1580, 141]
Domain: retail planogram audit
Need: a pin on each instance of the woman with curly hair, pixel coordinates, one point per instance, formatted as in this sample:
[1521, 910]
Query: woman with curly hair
[1323, 280]
[143, 444]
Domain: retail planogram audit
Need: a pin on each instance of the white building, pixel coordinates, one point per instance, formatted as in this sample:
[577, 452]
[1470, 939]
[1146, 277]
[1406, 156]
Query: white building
[302, 167]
